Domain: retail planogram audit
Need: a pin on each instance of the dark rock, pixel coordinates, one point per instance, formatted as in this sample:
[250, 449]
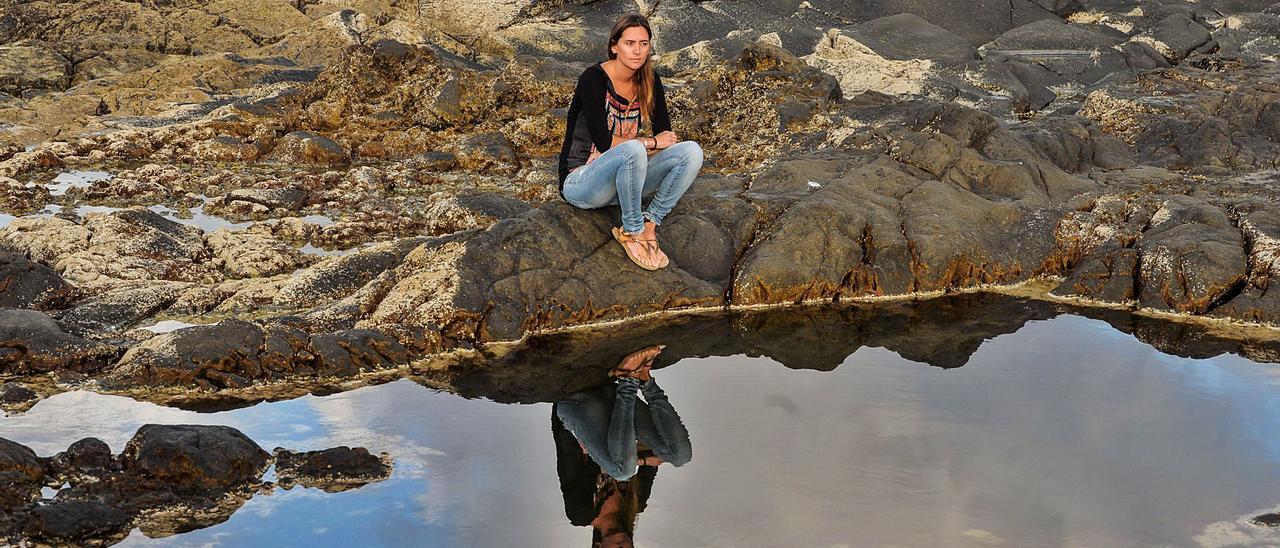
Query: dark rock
[190, 458]
[21, 472]
[18, 464]
[86, 455]
[434, 161]
[69, 520]
[908, 36]
[1191, 259]
[1036, 80]
[1178, 35]
[1063, 8]
[27, 284]
[13, 393]
[1267, 520]
[1071, 53]
[346, 353]
[1199, 119]
[978, 21]
[1108, 276]
[31, 342]
[120, 309]
[195, 356]
[1140, 56]
[332, 470]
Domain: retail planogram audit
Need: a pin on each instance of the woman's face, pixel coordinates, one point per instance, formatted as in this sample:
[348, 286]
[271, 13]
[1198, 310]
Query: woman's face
[632, 48]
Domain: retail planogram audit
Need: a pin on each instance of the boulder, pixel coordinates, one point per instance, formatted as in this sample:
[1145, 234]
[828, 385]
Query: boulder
[452, 213]
[66, 521]
[225, 148]
[254, 253]
[1176, 36]
[191, 458]
[14, 393]
[26, 284]
[331, 470]
[89, 455]
[31, 342]
[907, 36]
[1073, 54]
[302, 147]
[121, 308]
[21, 473]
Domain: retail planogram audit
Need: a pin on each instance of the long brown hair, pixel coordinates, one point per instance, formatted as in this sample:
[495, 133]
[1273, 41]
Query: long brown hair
[643, 78]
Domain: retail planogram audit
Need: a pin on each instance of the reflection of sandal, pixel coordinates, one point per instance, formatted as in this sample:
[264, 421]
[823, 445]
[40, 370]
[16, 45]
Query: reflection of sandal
[623, 239]
[620, 371]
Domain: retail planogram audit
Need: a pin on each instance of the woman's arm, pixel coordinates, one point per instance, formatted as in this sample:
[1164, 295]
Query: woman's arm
[591, 90]
[661, 119]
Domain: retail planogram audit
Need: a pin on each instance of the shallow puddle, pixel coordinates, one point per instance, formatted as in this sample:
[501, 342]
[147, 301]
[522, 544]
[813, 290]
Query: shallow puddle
[166, 326]
[1040, 430]
[75, 178]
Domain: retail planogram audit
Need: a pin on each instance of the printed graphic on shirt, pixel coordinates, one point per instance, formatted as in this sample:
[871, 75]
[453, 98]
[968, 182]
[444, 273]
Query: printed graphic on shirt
[623, 120]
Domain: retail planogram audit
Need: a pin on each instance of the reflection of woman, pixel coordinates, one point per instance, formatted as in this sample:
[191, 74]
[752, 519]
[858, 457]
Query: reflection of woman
[605, 475]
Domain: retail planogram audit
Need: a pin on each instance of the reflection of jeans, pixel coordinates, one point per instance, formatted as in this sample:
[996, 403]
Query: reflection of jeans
[609, 427]
[625, 173]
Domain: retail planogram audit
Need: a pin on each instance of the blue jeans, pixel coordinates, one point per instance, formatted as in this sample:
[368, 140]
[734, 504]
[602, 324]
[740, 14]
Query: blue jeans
[608, 420]
[625, 174]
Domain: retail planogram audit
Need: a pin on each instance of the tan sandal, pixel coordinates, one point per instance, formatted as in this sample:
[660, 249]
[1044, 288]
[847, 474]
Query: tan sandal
[655, 249]
[623, 239]
[652, 246]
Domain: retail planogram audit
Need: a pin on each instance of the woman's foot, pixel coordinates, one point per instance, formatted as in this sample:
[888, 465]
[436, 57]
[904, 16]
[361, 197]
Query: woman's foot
[650, 235]
[639, 248]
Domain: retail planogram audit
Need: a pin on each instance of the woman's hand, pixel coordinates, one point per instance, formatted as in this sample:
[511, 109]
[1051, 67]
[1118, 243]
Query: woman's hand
[666, 139]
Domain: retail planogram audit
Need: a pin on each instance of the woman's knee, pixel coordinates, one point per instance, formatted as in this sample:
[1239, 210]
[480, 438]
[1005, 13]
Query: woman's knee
[691, 150]
[634, 150]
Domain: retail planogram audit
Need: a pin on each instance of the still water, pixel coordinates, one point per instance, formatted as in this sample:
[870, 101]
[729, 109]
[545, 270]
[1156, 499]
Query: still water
[1047, 430]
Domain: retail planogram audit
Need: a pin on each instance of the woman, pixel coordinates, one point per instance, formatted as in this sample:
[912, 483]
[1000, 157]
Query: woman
[606, 160]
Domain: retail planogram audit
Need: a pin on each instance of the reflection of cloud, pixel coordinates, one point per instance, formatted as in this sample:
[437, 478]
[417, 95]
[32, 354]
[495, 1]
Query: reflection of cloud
[1240, 532]
[60, 420]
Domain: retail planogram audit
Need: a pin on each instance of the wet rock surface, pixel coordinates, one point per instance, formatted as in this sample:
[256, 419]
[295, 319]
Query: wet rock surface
[331, 470]
[168, 479]
[340, 188]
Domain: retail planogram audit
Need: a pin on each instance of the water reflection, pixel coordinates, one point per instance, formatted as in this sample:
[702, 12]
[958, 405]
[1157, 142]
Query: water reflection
[609, 445]
[169, 479]
[944, 333]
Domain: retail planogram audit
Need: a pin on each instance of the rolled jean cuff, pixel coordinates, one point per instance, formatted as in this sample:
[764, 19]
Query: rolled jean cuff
[651, 217]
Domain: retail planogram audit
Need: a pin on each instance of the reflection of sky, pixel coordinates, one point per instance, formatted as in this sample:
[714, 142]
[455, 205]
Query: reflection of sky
[75, 178]
[1064, 433]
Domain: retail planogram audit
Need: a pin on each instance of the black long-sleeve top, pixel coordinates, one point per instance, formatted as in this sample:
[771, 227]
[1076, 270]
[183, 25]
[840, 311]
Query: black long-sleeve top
[597, 113]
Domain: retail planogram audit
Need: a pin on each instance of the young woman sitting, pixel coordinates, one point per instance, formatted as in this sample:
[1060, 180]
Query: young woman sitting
[619, 147]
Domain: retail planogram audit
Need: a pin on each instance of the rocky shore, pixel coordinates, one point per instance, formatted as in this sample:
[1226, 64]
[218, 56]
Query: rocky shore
[311, 190]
